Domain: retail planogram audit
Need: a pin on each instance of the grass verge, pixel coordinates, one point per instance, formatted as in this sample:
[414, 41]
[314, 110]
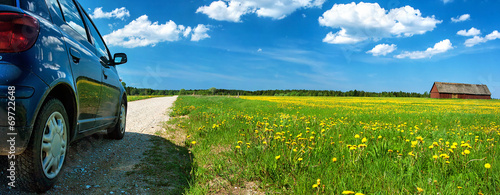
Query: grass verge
[142, 97]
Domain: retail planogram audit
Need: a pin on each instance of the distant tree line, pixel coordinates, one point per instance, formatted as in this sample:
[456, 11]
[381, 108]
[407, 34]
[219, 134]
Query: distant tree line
[294, 92]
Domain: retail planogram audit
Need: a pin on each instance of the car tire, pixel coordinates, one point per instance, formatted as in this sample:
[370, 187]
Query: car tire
[40, 165]
[118, 131]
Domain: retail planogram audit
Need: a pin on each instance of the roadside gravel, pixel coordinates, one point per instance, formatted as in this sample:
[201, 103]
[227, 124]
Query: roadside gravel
[96, 165]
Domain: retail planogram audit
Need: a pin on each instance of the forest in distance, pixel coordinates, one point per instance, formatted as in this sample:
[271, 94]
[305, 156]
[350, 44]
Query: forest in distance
[277, 92]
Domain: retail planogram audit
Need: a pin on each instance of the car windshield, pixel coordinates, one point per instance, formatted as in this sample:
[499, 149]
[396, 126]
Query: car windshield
[8, 2]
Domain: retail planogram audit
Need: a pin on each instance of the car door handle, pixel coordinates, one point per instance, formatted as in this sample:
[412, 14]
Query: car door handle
[104, 73]
[75, 54]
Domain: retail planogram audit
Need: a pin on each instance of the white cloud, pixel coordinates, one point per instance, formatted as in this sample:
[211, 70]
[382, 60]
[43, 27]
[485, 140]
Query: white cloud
[341, 37]
[477, 39]
[234, 9]
[259, 50]
[382, 49]
[461, 18]
[438, 48]
[364, 21]
[187, 31]
[119, 13]
[469, 33]
[142, 32]
[200, 33]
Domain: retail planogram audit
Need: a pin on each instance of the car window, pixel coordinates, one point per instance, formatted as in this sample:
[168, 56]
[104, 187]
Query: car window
[97, 41]
[8, 2]
[35, 6]
[54, 6]
[72, 16]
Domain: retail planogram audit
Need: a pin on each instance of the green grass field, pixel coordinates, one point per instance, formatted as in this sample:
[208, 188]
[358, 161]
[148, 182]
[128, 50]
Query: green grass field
[316, 145]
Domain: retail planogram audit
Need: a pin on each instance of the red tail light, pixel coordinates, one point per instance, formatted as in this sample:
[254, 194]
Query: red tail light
[18, 32]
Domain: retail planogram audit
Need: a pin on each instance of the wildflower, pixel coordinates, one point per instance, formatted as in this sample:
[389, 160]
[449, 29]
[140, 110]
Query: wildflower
[277, 157]
[361, 145]
[240, 142]
[238, 147]
[364, 140]
[444, 156]
[348, 192]
[356, 136]
[300, 159]
[193, 142]
[435, 157]
[334, 159]
[459, 187]
[390, 150]
[380, 137]
[420, 189]
[431, 146]
[264, 142]
[359, 194]
[487, 165]
[466, 151]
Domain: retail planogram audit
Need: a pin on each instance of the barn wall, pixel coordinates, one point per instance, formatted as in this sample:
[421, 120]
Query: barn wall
[434, 92]
[460, 96]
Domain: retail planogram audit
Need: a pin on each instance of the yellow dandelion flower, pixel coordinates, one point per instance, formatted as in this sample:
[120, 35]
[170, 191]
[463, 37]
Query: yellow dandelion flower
[466, 151]
[380, 137]
[459, 187]
[193, 142]
[356, 136]
[487, 165]
[277, 157]
[315, 186]
[359, 194]
[420, 189]
[411, 153]
[238, 147]
[348, 192]
[240, 142]
[334, 159]
[364, 140]
[300, 159]
[435, 157]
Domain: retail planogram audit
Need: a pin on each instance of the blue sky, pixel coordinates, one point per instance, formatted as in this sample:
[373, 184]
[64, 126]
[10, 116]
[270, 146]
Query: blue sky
[395, 45]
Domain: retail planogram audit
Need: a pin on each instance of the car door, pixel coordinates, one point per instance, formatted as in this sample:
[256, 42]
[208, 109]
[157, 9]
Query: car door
[86, 66]
[110, 91]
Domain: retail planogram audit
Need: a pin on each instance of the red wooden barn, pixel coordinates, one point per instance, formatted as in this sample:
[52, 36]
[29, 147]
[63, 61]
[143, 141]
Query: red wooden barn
[460, 91]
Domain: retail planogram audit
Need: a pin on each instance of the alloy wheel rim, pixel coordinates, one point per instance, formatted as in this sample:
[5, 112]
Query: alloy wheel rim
[123, 119]
[54, 145]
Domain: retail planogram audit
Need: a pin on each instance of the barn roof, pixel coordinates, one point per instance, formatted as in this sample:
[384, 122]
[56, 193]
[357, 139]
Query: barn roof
[461, 88]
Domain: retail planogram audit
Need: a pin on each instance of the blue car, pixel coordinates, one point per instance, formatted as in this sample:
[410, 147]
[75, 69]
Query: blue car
[58, 83]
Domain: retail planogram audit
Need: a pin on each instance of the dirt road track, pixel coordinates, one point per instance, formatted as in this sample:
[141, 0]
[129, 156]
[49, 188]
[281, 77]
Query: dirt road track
[96, 165]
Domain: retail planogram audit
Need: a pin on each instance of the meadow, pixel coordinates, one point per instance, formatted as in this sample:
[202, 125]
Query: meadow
[341, 145]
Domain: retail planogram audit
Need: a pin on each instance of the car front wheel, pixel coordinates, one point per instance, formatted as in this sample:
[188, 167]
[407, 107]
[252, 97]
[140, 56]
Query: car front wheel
[118, 131]
[41, 163]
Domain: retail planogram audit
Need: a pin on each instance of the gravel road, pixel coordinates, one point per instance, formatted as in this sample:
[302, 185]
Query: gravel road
[96, 165]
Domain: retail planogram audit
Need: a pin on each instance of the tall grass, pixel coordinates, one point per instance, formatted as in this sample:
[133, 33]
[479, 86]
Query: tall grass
[306, 145]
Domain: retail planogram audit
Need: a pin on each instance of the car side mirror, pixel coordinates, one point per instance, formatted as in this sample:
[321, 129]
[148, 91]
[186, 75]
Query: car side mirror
[120, 58]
